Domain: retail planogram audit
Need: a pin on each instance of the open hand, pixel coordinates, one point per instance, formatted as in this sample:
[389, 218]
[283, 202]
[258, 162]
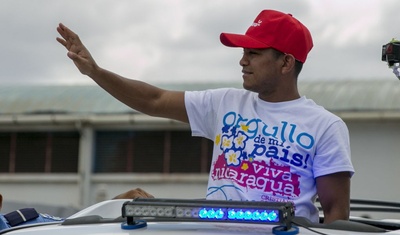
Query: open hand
[76, 50]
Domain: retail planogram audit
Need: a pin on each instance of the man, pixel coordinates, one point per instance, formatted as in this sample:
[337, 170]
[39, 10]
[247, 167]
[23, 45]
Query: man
[271, 144]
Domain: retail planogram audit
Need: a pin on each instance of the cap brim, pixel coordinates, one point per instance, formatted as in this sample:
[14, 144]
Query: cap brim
[239, 40]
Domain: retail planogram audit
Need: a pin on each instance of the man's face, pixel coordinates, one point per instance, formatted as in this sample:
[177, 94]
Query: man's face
[261, 70]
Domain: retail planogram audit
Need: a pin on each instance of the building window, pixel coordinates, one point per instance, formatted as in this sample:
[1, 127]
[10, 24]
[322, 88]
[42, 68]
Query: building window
[39, 152]
[151, 152]
[5, 144]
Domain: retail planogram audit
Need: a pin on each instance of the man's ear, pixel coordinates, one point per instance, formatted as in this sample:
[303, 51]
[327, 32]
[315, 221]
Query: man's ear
[288, 63]
[1, 201]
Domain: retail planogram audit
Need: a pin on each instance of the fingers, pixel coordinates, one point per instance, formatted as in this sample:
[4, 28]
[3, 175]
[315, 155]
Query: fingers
[70, 41]
[61, 41]
[134, 193]
[68, 37]
[145, 194]
[73, 56]
[65, 32]
[76, 50]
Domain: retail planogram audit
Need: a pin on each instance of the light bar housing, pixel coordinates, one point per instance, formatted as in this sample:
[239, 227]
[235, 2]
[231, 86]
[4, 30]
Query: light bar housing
[209, 210]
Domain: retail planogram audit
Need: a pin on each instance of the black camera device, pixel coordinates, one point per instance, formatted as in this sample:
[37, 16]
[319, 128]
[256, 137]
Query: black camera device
[391, 53]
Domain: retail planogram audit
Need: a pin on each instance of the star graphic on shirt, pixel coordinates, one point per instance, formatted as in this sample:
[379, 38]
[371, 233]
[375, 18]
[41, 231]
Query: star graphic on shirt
[245, 166]
[244, 127]
[217, 139]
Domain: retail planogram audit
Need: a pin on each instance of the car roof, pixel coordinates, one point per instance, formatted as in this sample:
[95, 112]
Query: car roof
[106, 218]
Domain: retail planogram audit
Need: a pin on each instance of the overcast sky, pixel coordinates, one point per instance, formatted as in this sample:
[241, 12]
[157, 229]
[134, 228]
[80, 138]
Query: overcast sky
[178, 40]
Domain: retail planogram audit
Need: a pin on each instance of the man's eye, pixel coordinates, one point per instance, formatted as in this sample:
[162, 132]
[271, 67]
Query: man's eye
[254, 52]
[250, 52]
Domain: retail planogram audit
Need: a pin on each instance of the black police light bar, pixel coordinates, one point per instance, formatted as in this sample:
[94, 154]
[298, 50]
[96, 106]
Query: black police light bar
[207, 210]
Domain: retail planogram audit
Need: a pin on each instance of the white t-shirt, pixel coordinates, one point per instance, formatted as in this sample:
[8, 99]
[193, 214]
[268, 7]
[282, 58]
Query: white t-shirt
[268, 151]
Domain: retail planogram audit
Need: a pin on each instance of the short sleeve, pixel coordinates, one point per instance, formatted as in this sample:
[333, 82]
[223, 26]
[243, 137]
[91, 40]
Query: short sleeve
[333, 151]
[201, 113]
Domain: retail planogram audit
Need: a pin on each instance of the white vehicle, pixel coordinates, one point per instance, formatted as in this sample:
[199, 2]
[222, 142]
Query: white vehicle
[191, 217]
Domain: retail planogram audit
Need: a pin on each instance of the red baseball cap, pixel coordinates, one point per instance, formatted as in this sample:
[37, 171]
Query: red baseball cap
[274, 29]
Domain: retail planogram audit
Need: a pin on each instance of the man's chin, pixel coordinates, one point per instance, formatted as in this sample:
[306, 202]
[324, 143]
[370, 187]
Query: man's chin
[247, 86]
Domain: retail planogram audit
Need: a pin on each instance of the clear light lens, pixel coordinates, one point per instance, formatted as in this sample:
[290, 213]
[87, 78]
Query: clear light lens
[143, 211]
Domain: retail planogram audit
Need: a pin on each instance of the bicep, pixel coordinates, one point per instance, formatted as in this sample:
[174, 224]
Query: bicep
[171, 104]
[334, 194]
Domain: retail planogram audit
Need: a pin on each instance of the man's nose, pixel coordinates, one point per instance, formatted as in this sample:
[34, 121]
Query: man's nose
[244, 61]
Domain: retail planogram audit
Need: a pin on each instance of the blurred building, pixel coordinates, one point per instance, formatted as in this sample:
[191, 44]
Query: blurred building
[76, 145]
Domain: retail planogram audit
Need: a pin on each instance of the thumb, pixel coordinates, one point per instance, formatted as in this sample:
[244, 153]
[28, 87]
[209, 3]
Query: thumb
[72, 56]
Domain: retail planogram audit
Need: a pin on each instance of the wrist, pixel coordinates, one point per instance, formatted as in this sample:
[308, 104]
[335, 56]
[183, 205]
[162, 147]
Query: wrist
[96, 71]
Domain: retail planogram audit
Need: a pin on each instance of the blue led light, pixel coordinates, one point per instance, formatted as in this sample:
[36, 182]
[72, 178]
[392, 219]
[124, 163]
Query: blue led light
[203, 213]
[219, 214]
[231, 214]
[264, 215]
[247, 215]
[252, 215]
[211, 214]
[272, 216]
[256, 215]
[238, 214]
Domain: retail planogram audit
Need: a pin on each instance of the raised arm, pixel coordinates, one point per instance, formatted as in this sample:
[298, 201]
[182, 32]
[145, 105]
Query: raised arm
[138, 95]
